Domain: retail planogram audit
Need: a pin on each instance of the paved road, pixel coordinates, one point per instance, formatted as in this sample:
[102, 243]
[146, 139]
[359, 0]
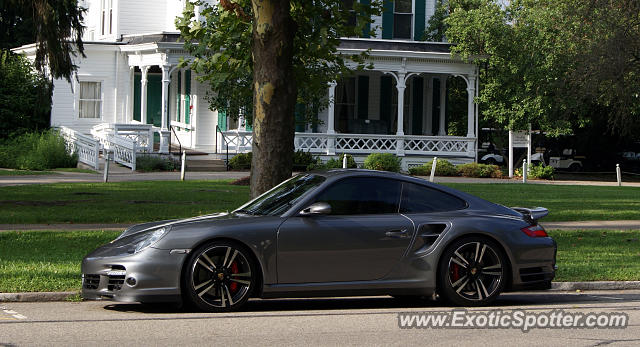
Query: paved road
[342, 321]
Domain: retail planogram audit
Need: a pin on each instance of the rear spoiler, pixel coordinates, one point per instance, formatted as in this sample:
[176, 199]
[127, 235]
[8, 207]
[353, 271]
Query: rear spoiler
[532, 213]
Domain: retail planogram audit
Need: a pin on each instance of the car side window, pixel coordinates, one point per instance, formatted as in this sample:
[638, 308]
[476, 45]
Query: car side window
[362, 195]
[420, 199]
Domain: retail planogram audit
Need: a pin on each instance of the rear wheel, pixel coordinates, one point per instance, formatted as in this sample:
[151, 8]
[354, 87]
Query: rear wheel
[472, 272]
[220, 277]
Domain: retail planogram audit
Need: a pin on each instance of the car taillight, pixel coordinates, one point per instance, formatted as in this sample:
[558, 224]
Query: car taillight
[535, 231]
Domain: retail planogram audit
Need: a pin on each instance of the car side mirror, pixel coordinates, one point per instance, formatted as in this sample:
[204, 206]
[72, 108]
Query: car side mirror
[316, 208]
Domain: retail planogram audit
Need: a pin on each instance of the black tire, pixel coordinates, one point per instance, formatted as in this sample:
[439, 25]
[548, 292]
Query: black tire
[491, 161]
[472, 272]
[220, 277]
[575, 167]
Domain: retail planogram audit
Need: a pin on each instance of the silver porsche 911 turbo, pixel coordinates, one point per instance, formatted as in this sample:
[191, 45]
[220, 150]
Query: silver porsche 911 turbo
[333, 233]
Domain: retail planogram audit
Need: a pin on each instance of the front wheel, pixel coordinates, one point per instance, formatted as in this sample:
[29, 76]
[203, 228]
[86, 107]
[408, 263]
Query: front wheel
[220, 277]
[472, 272]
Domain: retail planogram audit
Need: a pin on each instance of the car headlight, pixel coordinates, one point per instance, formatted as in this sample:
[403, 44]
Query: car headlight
[148, 238]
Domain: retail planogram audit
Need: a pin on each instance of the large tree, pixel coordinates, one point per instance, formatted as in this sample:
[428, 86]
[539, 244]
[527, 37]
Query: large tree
[557, 63]
[55, 26]
[262, 57]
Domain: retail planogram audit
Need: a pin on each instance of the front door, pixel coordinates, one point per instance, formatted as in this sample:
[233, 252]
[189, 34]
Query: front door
[362, 239]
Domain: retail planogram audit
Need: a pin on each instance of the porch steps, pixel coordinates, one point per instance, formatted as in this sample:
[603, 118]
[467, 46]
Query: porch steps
[204, 165]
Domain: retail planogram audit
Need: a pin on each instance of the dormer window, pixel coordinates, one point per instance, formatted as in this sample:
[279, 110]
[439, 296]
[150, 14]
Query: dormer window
[402, 19]
[106, 17]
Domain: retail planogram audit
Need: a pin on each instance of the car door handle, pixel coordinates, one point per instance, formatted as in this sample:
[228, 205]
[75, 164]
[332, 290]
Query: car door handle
[398, 234]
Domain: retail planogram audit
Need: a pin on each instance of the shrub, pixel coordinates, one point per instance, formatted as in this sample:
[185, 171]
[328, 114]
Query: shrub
[443, 168]
[37, 151]
[241, 161]
[479, 170]
[147, 163]
[382, 162]
[333, 163]
[302, 160]
[541, 172]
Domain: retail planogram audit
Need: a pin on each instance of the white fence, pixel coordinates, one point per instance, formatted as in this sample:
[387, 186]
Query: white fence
[124, 150]
[141, 134]
[87, 148]
[322, 143]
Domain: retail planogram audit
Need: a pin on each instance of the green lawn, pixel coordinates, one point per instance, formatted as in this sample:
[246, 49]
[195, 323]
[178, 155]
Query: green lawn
[116, 202]
[565, 203]
[35, 261]
[131, 202]
[598, 255]
[50, 261]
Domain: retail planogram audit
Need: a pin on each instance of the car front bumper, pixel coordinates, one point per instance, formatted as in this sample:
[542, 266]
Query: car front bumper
[153, 275]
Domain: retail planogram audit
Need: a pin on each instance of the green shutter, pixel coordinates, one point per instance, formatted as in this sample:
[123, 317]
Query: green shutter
[178, 94]
[137, 92]
[187, 96]
[387, 20]
[363, 97]
[367, 27]
[300, 119]
[222, 120]
[419, 16]
[248, 124]
[418, 94]
[386, 85]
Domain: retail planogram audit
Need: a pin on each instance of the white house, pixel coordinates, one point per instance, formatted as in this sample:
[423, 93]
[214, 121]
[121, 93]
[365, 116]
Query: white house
[130, 76]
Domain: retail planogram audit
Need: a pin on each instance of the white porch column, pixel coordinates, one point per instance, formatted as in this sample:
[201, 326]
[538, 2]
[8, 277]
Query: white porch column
[143, 94]
[331, 115]
[471, 92]
[164, 130]
[401, 85]
[428, 90]
[443, 101]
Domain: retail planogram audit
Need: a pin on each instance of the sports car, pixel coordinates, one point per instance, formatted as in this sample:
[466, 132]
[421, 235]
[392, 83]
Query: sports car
[330, 233]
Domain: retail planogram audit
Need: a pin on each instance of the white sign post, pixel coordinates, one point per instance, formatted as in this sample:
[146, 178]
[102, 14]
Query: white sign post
[519, 139]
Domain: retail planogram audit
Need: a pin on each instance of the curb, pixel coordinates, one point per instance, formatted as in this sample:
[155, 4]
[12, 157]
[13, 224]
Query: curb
[595, 285]
[555, 286]
[36, 296]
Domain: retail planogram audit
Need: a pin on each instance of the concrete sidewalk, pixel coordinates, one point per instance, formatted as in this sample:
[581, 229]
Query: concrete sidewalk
[579, 225]
[131, 176]
[126, 175]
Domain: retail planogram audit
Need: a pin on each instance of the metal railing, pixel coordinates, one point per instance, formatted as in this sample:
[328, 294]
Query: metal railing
[177, 138]
[226, 145]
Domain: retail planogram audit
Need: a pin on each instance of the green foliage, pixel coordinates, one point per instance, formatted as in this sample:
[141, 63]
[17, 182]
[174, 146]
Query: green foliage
[479, 170]
[36, 151]
[551, 63]
[443, 168]
[382, 162]
[25, 97]
[147, 163]
[537, 171]
[302, 159]
[221, 49]
[436, 27]
[241, 161]
[333, 163]
[57, 27]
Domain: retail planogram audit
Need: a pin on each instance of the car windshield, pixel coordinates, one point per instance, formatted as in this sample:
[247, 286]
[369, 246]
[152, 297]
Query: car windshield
[279, 199]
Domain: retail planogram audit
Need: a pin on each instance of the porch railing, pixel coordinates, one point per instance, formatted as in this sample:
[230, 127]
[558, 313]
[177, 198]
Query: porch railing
[87, 148]
[141, 134]
[124, 150]
[323, 143]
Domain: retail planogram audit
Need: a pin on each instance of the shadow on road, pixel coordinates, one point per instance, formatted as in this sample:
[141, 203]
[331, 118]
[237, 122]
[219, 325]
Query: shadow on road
[505, 301]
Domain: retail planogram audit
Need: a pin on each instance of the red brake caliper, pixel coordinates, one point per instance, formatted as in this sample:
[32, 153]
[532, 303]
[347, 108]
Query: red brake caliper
[233, 286]
[455, 275]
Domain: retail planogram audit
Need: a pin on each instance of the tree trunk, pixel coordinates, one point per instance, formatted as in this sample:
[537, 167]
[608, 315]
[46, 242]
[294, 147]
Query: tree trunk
[274, 94]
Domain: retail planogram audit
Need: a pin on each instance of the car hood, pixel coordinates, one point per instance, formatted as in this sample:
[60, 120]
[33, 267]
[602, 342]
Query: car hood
[140, 228]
